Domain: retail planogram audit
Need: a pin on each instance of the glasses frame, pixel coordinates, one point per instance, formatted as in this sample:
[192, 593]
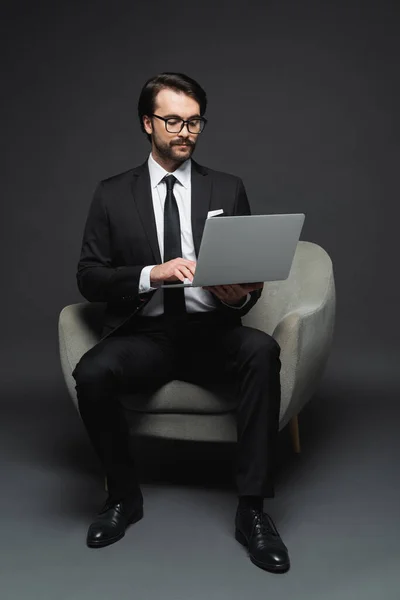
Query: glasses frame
[165, 119]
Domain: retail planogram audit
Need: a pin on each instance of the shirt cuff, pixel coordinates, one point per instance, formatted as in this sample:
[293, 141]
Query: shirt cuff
[238, 305]
[144, 281]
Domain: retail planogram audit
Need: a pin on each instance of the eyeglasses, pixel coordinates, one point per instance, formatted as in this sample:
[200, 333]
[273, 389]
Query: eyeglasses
[175, 124]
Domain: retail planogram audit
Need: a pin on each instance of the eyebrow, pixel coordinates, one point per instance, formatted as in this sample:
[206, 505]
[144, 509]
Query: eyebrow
[179, 117]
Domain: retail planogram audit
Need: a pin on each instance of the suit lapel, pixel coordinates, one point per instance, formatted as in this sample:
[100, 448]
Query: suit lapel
[201, 198]
[141, 190]
[200, 203]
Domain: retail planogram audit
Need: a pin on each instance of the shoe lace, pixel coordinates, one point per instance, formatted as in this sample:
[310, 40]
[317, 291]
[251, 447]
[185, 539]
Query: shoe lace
[265, 524]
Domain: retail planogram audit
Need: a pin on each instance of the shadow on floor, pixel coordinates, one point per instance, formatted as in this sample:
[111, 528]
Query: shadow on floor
[47, 434]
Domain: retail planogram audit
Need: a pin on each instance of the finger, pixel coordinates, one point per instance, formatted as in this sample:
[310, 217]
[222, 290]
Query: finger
[215, 289]
[187, 272]
[236, 288]
[225, 294]
[235, 292]
[189, 264]
[223, 290]
[227, 290]
[179, 275]
[232, 290]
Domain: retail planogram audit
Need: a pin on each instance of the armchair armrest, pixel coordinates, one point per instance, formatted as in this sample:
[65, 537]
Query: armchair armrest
[305, 336]
[78, 332]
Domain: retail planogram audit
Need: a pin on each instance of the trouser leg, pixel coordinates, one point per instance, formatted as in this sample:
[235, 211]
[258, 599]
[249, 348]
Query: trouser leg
[258, 379]
[132, 361]
[250, 358]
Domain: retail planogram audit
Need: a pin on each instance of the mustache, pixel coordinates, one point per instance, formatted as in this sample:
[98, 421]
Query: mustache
[182, 144]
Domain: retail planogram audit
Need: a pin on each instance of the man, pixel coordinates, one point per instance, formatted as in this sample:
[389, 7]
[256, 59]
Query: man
[152, 335]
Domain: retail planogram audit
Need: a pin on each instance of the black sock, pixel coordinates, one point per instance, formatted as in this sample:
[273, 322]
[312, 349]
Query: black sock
[251, 502]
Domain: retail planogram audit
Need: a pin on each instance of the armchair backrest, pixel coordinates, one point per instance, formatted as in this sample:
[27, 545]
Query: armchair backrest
[310, 281]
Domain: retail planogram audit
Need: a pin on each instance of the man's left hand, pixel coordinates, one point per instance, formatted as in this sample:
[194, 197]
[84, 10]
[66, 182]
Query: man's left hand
[234, 293]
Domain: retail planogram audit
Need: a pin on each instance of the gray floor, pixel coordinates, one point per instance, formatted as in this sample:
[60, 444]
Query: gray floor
[336, 507]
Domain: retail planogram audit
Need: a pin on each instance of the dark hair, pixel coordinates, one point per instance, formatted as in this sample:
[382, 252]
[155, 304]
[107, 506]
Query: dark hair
[175, 81]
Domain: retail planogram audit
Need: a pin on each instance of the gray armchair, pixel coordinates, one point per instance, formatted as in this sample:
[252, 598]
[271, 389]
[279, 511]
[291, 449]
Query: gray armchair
[298, 312]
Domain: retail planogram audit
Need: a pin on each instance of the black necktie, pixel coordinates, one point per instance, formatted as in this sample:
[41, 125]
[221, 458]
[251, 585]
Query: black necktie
[174, 300]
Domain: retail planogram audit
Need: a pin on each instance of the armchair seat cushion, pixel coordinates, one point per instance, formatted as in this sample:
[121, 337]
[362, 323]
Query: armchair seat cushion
[182, 397]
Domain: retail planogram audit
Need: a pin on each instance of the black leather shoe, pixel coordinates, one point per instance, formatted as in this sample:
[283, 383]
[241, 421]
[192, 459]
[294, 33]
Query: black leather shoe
[111, 522]
[256, 530]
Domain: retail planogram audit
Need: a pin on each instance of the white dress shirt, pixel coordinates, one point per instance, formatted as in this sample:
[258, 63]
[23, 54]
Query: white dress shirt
[197, 299]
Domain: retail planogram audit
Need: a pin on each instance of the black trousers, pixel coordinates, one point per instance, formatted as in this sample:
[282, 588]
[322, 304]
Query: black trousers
[147, 352]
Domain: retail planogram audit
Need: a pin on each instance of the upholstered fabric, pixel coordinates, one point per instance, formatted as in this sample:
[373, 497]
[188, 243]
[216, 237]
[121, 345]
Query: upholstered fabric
[298, 312]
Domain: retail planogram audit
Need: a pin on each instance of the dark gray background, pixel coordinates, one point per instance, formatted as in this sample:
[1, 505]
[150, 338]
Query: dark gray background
[303, 105]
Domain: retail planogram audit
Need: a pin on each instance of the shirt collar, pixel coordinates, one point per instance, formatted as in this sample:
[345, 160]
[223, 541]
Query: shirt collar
[157, 172]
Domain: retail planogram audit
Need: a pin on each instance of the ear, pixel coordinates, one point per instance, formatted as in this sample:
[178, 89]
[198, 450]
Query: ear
[148, 126]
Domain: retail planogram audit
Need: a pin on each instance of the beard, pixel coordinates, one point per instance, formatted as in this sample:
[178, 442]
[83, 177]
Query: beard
[170, 150]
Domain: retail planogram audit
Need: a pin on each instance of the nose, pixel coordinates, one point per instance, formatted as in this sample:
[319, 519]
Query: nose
[185, 126]
[183, 137]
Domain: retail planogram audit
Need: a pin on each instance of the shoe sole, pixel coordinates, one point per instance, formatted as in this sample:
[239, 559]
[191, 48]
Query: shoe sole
[273, 568]
[134, 519]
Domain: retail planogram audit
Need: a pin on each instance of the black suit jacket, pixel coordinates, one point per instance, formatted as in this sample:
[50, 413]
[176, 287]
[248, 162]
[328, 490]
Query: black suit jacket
[120, 237]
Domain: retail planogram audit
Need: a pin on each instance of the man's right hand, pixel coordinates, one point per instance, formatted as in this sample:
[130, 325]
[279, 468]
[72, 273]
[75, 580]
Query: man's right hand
[177, 269]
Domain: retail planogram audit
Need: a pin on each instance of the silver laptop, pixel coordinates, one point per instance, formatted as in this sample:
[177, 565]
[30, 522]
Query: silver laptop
[245, 249]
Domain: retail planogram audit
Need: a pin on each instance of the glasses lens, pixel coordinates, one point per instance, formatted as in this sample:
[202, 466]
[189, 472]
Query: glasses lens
[174, 125]
[194, 125]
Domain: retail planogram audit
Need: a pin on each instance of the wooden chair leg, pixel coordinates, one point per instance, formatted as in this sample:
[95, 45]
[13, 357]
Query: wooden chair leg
[105, 484]
[294, 433]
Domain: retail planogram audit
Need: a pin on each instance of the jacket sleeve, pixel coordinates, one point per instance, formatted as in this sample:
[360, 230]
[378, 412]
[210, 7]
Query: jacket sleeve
[98, 280]
[241, 207]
